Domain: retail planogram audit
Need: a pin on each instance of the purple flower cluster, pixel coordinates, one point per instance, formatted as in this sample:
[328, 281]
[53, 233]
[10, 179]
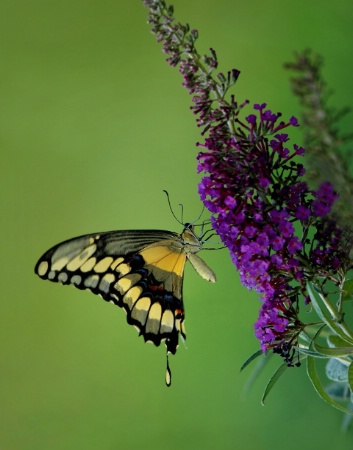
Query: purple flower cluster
[276, 229]
[263, 211]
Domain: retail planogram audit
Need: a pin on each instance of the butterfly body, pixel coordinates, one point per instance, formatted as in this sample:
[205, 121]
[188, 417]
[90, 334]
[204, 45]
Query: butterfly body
[140, 271]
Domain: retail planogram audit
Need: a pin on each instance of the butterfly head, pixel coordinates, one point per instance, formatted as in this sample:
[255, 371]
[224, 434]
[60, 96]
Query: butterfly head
[191, 241]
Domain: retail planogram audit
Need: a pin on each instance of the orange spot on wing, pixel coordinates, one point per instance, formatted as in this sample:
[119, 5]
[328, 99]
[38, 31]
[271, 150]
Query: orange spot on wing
[154, 287]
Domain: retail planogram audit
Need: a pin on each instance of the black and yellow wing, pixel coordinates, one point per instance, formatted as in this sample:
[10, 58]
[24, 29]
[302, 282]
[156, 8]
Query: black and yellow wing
[138, 270]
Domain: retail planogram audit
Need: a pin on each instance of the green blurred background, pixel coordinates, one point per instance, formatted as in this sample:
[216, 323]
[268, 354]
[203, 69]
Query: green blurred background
[94, 124]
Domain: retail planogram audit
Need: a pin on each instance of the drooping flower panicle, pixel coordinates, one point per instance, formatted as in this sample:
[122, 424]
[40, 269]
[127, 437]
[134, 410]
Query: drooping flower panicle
[278, 230]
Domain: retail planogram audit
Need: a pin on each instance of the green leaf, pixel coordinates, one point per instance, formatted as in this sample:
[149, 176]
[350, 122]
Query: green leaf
[335, 341]
[347, 293]
[325, 316]
[305, 351]
[258, 368]
[316, 382]
[336, 371]
[251, 358]
[278, 373]
[337, 346]
[338, 391]
[350, 377]
[333, 352]
[314, 378]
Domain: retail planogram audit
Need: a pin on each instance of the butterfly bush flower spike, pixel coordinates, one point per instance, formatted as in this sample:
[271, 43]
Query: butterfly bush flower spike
[281, 233]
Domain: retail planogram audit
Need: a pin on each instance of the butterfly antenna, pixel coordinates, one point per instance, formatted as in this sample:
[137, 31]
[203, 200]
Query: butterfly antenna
[198, 218]
[182, 212]
[204, 222]
[171, 210]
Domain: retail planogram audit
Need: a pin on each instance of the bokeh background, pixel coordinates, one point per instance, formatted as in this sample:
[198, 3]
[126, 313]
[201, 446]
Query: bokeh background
[94, 124]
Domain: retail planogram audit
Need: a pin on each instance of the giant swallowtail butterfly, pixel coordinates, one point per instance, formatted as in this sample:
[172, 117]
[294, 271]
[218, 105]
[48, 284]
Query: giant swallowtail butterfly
[138, 270]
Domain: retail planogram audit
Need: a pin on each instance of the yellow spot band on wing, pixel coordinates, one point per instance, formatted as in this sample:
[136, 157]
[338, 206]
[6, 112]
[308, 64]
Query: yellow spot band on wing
[103, 264]
[60, 263]
[43, 268]
[123, 269]
[132, 295]
[140, 310]
[88, 265]
[125, 283]
[116, 263]
[106, 281]
[154, 319]
[167, 322]
[81, 258]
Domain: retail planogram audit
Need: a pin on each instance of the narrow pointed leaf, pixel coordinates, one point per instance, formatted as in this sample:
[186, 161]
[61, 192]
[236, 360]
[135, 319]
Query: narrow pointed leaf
[251, 358]
[314, 378]
[261, 362]
[316, 382]
[325, 316]
[278, 373]
[334, 352]
[306, 352]
[335, 341]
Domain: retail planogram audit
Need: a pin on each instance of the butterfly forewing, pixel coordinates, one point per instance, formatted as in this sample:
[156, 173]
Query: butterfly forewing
[140, 271]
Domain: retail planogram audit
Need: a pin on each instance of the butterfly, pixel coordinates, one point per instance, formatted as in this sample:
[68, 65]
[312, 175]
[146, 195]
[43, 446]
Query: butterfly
[140, 271]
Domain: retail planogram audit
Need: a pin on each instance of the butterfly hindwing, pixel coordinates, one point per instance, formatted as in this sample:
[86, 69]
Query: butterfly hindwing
[140, 271]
